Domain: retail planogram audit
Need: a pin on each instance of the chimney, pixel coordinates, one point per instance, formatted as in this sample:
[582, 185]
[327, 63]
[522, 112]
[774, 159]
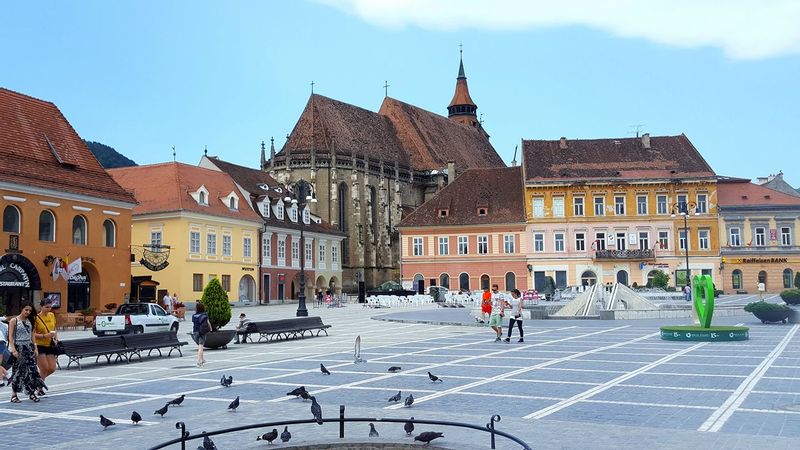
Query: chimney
[451, 171]
[646, 140]
[562, 144]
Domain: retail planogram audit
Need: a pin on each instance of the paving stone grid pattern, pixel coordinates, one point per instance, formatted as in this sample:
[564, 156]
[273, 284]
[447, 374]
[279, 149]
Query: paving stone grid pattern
[571, 384]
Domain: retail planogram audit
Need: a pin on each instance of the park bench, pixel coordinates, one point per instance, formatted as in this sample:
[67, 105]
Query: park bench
[288, 328]
[138, 343]
[76, 349]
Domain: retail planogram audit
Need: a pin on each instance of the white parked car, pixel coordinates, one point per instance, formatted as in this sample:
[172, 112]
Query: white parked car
[135, 318]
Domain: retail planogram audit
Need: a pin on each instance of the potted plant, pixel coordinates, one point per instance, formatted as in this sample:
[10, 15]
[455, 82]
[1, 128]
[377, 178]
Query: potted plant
[791, 296]
[180, 310]
[769, 312]
[215, 299]
[88, 317]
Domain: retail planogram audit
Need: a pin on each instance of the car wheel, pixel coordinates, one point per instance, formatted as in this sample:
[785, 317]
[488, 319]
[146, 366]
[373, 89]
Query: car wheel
[138, 330]
[174, 328]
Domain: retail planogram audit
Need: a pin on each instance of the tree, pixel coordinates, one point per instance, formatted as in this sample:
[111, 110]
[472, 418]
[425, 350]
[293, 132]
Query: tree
[797, 280]
[215, 299]
[660, 279]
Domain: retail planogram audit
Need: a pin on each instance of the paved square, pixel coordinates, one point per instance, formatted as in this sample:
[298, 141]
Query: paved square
[571, 384]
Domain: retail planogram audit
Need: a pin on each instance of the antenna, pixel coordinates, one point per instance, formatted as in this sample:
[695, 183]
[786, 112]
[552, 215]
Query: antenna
[480, 120]
[638, 127]
[173, 153]
[205, 150]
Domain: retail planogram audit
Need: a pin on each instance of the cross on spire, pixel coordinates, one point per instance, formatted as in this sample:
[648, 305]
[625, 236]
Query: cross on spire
[312, 86]
[173, 153]
[386, 88]
[460, 49]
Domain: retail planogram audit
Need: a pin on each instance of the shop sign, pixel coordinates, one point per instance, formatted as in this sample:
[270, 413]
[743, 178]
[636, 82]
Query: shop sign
[20, 280]
[155, 267]
[78, 278]
[248, 269]
[13, 244]
[759, 260]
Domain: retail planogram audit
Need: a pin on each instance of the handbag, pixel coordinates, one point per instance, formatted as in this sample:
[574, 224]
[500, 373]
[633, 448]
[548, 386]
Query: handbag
[58, 346]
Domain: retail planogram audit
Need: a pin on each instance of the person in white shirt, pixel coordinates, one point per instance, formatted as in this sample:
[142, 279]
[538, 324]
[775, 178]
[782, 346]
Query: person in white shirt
[167, 302]
[499, 304]
[761, 287]
[516, 315]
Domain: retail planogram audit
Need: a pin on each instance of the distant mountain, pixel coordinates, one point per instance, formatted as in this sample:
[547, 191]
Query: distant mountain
[108, 157]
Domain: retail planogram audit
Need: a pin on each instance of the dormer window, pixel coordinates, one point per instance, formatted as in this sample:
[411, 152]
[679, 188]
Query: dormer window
[306, 216]
[232, 203]
[443, 213]
[293, 213]
[265, 207]
[481, 211]
[279, 210]
[201, 198]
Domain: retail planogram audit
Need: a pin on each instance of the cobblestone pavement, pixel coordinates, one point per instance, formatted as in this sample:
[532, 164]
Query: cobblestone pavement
[571, 384]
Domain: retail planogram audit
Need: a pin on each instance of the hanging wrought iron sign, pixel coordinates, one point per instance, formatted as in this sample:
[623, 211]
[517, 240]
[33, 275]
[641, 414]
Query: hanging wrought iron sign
[153, 257]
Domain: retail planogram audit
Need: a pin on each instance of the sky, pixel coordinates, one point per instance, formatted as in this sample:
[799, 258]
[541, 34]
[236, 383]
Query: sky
[145, 76]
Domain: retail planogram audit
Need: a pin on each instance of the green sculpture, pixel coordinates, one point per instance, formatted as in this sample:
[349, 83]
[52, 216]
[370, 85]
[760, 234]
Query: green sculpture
[703, 297]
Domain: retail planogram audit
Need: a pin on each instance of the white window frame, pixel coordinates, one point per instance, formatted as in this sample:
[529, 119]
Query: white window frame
[621, 239]
[444, 245]
[682, 240]
[703, 237]
[279, 210]
[640, 210]
[580, 242]
[306, 215]
[417, 247]
[265, 207]
[463, 245]
[558, 206]
[702, 203]
[293, 213]
[281, 250]
[247, 247]
[537, 206]
[760, 239]
[211, 243]
[334, 252]
[601, 241]
[663, 240]
[295, 251]
[194, 242]
[509, 241]
[644, 240]
[321, 253]
[662, 205]
[599, 208]
[266, 249]
[786, 236]
[538, 242]
[483, 245]
[735, 239]
[156, 239]
[227, 245]
[309, 252]
[619, 207]
[578, 206]
[683, 199]
[558, 242]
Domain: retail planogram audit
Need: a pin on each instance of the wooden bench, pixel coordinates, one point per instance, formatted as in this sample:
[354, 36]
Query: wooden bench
[138, 343]
[287, 328]
[108, 346]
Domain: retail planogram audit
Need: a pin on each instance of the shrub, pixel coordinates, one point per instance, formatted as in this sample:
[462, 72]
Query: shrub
[791, 296]
[660, 280]
[215, 299]
[110, 306]
[764, 306]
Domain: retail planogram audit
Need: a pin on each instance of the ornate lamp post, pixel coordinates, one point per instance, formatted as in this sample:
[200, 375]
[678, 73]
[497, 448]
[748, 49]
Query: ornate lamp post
[685, 209]
[301, 192]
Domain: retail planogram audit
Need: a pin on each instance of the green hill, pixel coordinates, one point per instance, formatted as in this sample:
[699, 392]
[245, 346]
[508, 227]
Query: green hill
[108, 157]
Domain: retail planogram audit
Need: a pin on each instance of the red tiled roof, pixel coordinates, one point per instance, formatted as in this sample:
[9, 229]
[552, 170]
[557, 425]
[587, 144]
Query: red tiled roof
[499, 189]
[620, 158]
[744, 193]
[431, 140]
[33, 136]
[165, 188]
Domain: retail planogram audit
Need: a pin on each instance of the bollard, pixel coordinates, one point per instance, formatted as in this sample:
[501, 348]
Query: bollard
[341, 421]
[490, 426]
[181, 426]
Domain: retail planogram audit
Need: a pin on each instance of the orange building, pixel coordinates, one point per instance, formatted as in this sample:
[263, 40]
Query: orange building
[469, 236]
[57, 202]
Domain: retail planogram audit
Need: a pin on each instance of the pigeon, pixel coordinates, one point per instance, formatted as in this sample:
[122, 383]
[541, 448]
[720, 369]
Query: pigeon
[234, 404]
[323, 369]
[396, 397]
[409, 400]
[176, 401]
[316, 410]
[395, 369]
[434, 378]
[285, 435]
[305, 395]
[106, 422]
[208, 444]
[372, 431]
[428, 436]
[269, 437]
[226, 382]
[135, 417]
[162, 411]
[409, 427]
[297, 391]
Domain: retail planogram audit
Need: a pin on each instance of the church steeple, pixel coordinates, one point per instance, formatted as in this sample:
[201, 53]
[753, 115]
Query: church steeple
[462, 108]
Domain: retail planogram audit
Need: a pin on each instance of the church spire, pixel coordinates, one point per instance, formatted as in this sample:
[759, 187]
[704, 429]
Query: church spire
[462, 108]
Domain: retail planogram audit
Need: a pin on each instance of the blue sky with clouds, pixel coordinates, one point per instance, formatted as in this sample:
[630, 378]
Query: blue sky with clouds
[148, 75]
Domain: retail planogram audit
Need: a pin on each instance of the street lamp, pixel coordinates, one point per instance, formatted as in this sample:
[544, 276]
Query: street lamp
[683, 209]
[302, 195]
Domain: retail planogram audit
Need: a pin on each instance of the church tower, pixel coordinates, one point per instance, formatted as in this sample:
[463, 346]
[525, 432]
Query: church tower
[462, 108]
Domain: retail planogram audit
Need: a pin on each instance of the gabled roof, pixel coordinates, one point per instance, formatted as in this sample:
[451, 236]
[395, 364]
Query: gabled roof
[500, 190]
[167, 187]
[253, 181]
[613, 158]
[431, 140]
[326, 124]
[740, 193]
[39, 148]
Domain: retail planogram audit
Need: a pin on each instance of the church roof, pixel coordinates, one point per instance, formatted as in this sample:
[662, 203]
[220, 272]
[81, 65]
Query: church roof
[666, 157]
[432, 140]
[39, 148]
[461, 95]
[498, 190]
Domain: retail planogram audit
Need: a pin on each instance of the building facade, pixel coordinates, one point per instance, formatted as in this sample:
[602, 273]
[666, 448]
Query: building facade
[57, 203]
[201, 220]
[758, 230]
[610, 210]
[367, 169]
[470, 235]
[279, 261]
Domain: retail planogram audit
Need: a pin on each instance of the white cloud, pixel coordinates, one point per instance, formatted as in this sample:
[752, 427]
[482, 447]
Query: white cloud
[742, 29]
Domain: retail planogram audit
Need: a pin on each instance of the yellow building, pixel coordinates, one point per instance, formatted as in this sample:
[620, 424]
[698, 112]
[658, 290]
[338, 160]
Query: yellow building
[210, 229]
[609, 210]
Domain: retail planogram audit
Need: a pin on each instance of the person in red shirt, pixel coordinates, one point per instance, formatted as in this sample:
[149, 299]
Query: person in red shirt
[486, 305]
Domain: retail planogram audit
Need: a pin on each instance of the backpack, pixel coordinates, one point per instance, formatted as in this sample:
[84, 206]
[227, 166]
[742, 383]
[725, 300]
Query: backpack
[205, 328]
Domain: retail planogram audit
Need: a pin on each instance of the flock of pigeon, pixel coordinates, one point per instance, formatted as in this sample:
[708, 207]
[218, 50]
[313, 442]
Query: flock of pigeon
[300, 392]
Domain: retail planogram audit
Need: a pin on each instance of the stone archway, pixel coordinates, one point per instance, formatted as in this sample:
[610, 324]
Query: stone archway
[247, 288]
[19, 278]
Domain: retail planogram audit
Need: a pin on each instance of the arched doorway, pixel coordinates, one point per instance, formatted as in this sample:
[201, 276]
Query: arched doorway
[622, 277]
[762, 278]
[18, 280]
[79, 288]
[588, 278]
[463, 282]
[787, 278]
[511, 281]
[485, 281]
[247, 288]
[444, 280]
[334, 285]
[419, 283]
[736, 276]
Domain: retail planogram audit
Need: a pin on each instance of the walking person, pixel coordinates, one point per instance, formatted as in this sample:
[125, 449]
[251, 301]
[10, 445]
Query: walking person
[486, 305]
[167, 303]
[45, 336]
[687, 293]
[498, 311]
[761, 288]
[201, 326]
[516, 315]
[26, 375]
[5, 354]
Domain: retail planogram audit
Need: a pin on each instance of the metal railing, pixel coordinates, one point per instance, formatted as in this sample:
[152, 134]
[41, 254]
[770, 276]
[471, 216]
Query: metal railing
[625, 254]
[341, 420]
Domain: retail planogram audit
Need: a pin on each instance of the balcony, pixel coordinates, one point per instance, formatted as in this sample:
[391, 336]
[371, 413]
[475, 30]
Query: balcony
[625, 254]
